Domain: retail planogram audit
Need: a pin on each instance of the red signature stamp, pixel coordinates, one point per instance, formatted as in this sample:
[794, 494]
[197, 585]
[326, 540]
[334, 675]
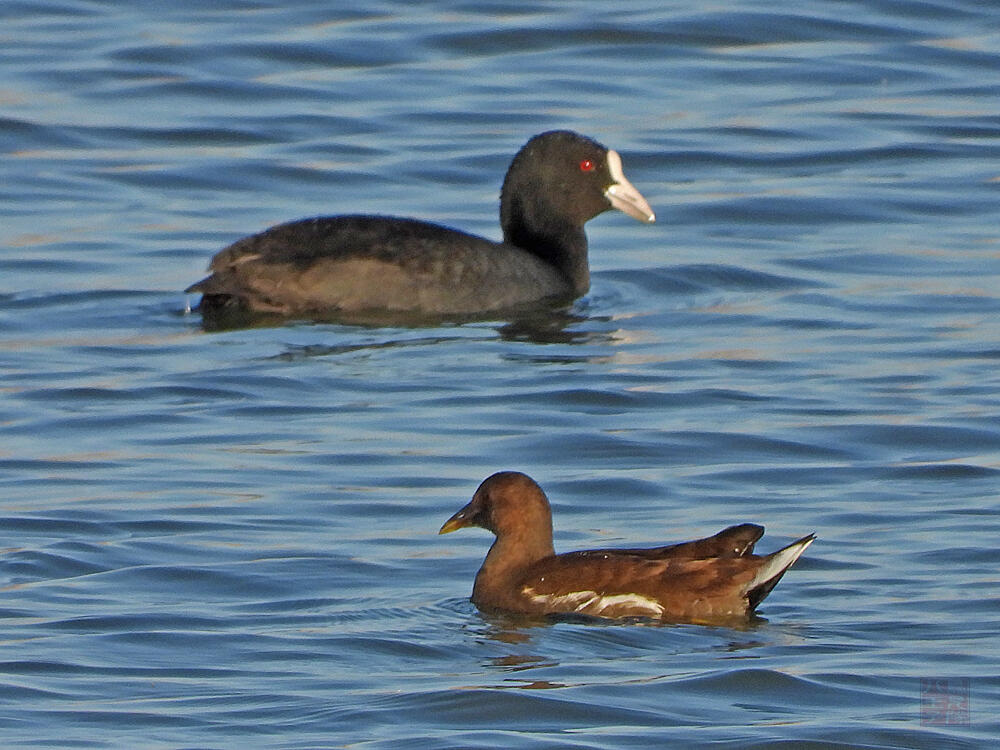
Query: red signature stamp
[944, 701]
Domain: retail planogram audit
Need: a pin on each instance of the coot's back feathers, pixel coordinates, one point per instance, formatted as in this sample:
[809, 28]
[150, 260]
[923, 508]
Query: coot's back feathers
[556, 182]
[375, 263]
[713, 579]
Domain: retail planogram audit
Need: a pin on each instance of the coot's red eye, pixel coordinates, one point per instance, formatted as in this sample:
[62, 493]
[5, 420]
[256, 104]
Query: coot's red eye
[586, 165]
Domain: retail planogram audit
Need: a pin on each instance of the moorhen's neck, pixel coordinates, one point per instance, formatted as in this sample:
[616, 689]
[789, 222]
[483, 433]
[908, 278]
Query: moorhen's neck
[511, 553]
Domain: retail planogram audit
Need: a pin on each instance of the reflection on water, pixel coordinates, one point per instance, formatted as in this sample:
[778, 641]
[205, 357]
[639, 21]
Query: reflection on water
[545, 325]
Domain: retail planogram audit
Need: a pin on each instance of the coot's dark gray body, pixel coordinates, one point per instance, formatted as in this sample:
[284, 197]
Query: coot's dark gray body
[556, 182]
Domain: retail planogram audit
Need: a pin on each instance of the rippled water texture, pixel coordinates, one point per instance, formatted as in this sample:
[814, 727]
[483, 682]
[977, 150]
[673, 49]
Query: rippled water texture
[222, 540]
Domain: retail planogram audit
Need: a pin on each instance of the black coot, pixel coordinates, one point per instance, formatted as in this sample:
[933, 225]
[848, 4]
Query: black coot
[556, 182]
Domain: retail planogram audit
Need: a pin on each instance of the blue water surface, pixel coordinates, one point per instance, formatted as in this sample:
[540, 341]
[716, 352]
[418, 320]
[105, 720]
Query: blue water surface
[228, 539]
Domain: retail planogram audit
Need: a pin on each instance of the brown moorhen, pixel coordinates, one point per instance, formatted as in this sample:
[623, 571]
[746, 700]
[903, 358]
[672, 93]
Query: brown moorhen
[712, 579]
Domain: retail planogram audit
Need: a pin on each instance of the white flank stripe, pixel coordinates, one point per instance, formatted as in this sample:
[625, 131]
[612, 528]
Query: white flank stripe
[632, 601]
[592, 603]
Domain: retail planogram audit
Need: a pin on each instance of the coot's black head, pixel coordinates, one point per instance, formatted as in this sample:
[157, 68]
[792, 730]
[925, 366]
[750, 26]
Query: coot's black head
[562, 176]
[558, 181]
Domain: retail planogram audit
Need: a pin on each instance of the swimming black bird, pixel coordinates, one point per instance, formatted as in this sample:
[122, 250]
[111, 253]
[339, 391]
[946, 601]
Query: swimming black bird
[356, 263]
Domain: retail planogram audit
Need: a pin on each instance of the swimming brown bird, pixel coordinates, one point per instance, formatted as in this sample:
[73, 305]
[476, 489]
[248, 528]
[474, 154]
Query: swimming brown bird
[712, 579]
[557, 182]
